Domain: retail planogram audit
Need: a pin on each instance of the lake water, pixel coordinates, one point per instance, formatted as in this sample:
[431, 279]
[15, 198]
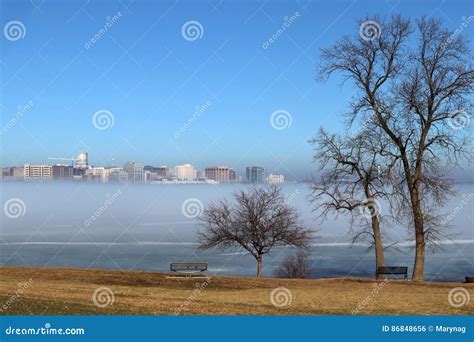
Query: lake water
[144, 227]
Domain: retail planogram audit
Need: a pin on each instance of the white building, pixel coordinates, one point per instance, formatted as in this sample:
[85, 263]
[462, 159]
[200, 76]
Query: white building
[185, 172]
[100, 174]
[81, 161]
[135, 171]
[37, 172]
[275, 179]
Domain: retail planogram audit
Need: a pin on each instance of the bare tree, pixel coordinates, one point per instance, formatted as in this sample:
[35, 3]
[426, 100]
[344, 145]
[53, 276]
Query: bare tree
[294, 266]
[353, 181]
[416, 90]
[259, 220]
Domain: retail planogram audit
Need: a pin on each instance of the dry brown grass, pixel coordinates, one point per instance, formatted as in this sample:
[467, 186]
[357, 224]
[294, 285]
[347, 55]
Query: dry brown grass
[69, 292]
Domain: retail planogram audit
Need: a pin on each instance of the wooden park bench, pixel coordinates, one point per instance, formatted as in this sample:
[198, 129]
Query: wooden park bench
[188, 269]
[393, 270]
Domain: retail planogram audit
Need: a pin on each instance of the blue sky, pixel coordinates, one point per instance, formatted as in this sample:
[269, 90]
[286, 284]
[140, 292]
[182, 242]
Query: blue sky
[151, 79]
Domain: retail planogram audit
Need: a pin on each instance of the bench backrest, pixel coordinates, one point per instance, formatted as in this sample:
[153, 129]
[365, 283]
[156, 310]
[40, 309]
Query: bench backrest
[392, 270]
[188, 266]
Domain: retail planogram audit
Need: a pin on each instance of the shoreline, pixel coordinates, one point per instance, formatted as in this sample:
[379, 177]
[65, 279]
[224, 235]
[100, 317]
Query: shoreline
[66, 291]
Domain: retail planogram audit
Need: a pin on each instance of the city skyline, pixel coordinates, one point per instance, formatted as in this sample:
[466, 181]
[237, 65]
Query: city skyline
[80, 169]
[136, 86]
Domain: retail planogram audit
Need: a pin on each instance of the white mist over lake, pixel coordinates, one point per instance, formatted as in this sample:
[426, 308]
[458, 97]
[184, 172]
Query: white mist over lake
[145, 227]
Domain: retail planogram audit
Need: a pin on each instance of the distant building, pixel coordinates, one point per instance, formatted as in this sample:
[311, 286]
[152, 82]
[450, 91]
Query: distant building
[97, 174]
[12, 173]
[232, 175]
[37, 172]
[185, 172]
[255, 174]
[81, 161]
[275, 179]
[118, 175]
[160, 171]
[63, 172]
[201, 176]
[78, 174]
[135, 171]
[220, 173]
[150, 176]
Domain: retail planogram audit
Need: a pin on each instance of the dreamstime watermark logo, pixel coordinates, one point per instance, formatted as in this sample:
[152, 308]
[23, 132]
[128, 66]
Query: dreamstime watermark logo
[103, 119]
[459, 119]
[44, 330]
[466, 21]
[192, 30]
[199, 111]
[21, 110]
[14, 208]
[291, 197]
[458, 297]
[109, 22]
[287, 21]
[14, 30]
[465, 200]
[370, 297]
[192, 208]
[21, 287]
[198, 290]
[370, 208]
[110, 199]
[364, 126]
[281, 119]
[103, 297]
[370, 30]
[280, 297]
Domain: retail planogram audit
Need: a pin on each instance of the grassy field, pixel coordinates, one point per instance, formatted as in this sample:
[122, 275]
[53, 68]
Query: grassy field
[70, 292]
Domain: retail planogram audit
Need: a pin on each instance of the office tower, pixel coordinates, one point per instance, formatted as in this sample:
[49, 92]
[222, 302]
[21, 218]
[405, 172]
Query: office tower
[135, 171]
[255, 174]
[219, 173]
[97, 174]
[118, 175]
[37, 172]
[62, 172]
[232, 175]
[160, 171]
[185, 172]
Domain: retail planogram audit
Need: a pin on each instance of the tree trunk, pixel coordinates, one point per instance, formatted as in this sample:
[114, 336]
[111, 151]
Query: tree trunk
[259, 267]
[379, 252]
[419, 266]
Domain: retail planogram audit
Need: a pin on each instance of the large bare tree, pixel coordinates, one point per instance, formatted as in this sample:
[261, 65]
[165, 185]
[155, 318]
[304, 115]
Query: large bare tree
[353, 181]
[257, 221]
[417, 82]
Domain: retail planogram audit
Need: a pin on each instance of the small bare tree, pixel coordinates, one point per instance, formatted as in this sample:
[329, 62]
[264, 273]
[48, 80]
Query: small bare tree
[418, 86]
[259, 220]
[353, 181]
[294, 266]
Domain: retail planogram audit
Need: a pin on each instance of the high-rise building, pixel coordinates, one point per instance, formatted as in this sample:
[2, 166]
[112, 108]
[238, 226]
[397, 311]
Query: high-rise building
[118, 175]
[135, 171]
[97, 174]
[81, 161]
[62, 172]
[275, 179]
[185, 172]
[232, 175]
[37, 172]
[160, 171]
[220, 173]
[255, 174]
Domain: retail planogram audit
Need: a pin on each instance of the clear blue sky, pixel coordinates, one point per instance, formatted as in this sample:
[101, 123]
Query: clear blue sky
[151, 79]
